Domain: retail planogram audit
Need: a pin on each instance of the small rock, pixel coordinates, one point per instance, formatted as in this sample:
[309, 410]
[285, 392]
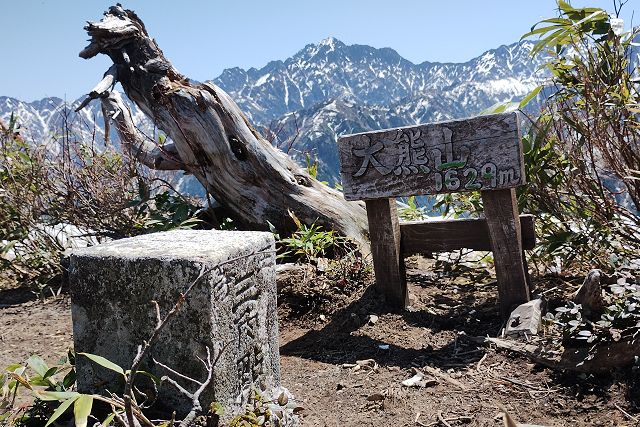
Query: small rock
[322, 264]
[525, 319]
[373, 319]
[375, 397]
[283, 399]
[413, 381]
[367, 363]
[419, 381]
[340, 386]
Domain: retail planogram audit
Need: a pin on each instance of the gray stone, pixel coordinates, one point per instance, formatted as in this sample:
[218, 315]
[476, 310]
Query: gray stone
[112, 286]
[525, 319]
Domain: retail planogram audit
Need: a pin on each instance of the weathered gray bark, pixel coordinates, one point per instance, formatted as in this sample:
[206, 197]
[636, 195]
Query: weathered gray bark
[213, 139]
[599, 359]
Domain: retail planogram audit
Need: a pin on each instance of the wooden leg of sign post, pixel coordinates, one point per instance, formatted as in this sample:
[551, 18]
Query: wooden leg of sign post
[388, 263]
[503, 222]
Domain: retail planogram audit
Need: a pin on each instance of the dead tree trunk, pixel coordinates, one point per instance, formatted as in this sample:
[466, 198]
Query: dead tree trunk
[213, 139]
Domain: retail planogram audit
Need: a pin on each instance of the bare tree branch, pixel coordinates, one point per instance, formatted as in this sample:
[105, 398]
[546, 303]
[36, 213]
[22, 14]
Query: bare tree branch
[147, 152]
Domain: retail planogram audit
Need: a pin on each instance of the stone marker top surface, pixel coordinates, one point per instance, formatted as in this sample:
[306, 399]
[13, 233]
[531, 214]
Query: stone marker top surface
[196, 245]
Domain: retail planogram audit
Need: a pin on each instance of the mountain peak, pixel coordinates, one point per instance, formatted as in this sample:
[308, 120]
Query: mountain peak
[331, 42]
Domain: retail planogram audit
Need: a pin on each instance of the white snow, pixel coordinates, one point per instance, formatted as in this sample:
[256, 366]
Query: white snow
[262, 80]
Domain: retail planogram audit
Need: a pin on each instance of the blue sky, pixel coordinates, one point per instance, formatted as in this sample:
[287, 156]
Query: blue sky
[42, 38]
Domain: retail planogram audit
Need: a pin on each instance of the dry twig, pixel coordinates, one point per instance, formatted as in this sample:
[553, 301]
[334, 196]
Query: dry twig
[438, 373]
[132, 409]
[626, 414]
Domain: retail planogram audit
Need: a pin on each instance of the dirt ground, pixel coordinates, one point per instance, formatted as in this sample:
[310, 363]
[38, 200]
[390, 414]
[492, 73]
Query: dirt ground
[320, 348]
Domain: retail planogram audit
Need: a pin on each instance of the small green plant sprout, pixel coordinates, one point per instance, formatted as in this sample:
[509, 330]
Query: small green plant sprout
[312, 166]
[309, 242]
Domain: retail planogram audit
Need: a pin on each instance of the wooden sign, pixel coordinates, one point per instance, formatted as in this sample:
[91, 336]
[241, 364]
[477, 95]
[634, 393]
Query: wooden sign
[482, 153]
[478, 154]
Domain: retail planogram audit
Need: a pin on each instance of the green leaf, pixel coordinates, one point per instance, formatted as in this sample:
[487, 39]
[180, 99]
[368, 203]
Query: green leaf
[104, 362]
[564, 6]
[540, 30]
[82, 409]
[50, 372]
[108, 420]
[529, 97]
[37, 364]
[60, 410]
[38, 380]
[14, 368]
[57, 395]
[216, 408]
[69, 379]
[500, 107]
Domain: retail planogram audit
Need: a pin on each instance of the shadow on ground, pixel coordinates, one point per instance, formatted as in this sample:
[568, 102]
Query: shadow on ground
[16, 296]
[343, 339]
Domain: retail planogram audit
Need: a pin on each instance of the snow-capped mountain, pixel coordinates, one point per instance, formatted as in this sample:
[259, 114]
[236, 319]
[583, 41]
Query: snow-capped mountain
[373, 76]
[329, 89]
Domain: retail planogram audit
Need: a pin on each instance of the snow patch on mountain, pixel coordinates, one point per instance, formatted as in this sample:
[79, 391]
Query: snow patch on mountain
[326, 90]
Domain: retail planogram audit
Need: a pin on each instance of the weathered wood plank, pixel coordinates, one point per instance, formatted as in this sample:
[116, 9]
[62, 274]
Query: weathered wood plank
[480, 153]
[449, 235]
[388, 263]
[503, 224]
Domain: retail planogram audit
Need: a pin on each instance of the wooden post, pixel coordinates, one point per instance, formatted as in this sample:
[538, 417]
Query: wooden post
[477, 154]
[388, 263]
[503, 222]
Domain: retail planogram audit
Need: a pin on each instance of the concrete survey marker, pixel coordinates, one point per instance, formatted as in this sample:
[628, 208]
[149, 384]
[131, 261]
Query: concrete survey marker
[112, 286]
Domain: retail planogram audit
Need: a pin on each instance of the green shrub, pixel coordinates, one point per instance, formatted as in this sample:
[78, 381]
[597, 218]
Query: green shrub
[582, 154]
[98, 193]
[581, 151]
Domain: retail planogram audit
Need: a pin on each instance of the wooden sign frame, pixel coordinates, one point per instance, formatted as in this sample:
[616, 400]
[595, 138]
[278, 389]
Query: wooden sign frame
[477, 154]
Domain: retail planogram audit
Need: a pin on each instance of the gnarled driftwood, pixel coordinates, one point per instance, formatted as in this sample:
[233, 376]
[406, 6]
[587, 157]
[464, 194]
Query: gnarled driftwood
[213, 139]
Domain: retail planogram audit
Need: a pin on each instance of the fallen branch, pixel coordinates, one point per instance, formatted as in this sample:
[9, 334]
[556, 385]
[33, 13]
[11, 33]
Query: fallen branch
[438, 373]
[597, 359]
[442, 420]
[626, 414]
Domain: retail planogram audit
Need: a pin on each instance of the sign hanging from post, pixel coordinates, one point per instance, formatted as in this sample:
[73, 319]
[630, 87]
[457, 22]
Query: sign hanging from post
[482, 153]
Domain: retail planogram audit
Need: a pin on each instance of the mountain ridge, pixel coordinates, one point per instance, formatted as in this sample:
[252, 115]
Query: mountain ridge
[329, 88]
